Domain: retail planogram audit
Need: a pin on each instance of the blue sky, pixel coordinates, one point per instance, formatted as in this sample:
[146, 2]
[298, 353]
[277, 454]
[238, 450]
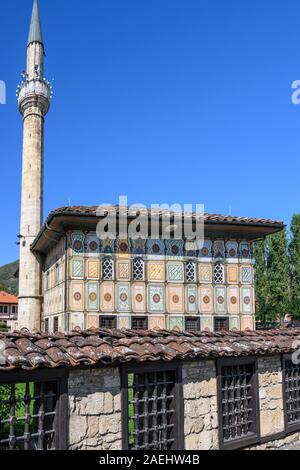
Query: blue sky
[166, 101]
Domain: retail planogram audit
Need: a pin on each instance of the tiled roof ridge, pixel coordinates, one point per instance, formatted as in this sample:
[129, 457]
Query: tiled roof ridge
[29, 351]
[208, 217]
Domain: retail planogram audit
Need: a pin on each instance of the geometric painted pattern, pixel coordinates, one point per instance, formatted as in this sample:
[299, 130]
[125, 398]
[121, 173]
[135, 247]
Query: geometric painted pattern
[175, 272]
[246, 275]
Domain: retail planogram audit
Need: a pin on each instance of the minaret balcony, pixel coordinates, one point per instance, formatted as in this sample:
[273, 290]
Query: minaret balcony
[34, 93]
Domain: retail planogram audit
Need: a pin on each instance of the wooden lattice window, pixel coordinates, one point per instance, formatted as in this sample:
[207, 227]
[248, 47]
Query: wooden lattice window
[192, 324]
[221, 324]
[33, 410]
[190, 271]
[139, 323]
[238, 402]
[138, 269]
[107, 269]
[152, 407]
[291, 384]
[108, 322]
[219, 273]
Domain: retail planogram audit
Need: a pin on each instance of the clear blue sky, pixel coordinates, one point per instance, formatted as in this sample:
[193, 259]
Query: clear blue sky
[169, 101]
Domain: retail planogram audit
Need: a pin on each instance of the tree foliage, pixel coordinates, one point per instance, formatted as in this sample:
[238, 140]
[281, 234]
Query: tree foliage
[294, 251]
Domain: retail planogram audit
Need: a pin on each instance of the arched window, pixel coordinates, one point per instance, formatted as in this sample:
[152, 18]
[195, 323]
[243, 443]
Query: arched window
[107, 269]
[138, 269]
[190, 271]
[219, 273]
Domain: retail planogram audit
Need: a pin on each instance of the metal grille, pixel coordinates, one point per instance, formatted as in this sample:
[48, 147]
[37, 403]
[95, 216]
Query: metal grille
[28, 415]
[221, 324]
[138, 269]
[190, 271]
[151, 411]
[192, 324]
[219, 273]
[238, 402]
[108, 322]
[107, 269]
[139, 323]
[55, 324]
[292, 392]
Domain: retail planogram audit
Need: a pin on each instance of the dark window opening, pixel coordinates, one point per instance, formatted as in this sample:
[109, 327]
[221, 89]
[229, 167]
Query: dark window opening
[139, 323]
[46, 325]
[292, 394]
[238, 403]
[192, 324]
[55, 324]
[152, 410]
[108, 322]
[221, 324]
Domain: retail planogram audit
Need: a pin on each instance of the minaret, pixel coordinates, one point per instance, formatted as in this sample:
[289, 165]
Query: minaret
[34, 100]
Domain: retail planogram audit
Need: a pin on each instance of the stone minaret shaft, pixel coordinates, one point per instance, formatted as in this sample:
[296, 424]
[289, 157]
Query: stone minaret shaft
[34, 101]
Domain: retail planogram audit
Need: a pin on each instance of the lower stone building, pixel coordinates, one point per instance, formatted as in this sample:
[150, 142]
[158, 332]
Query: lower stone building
[149, 390]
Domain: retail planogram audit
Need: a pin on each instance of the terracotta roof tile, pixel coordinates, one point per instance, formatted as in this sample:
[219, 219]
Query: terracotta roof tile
[6, 298]
[24, 350]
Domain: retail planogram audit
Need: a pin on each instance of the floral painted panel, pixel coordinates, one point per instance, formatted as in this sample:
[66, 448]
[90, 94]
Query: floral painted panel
[191, 299]
[232, 274]
[246, 300]
[61, 294]
[107, 294]
[139, 301]
[156, 271]
[76, 296]
[92, 296]
[124, 322]
[206, 249]
[77, 243]
[77, 321]
[156, 298]
[219, 249]
[233, 300]
[175, 299]
[123, 297]
[92, 245]
[220, 300]
[157, 322]
[246, 275]
[206, 323]
[247, 323]
[155, 249]
[175, 272]
[93, 269]
[245, 252]
[232, 250]
[235, 323]
[175, 248]
[206, 299]
[176, 323]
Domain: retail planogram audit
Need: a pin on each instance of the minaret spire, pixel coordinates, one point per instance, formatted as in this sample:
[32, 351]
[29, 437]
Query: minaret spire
[35, 31]
[34, 96]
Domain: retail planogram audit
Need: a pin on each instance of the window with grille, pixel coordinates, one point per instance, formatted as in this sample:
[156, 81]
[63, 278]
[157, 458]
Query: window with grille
[33, 413]
[190, 271]
[47, 325]
[219, 273]
[55, 324]
[139, 323]
[138, 269]
[152, 408]
[292, 394]
[107, 269]
[108, 322]
[221, 324]
[192, 324]
[238, 403]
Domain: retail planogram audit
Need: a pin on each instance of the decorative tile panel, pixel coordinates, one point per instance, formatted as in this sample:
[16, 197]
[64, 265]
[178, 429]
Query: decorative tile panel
[139, 301]
[123, 248]
[206, 299]
[124, 322]
[206, 323]
[232, 250]
[232, 274]
[157, 322]
[92, 245]
[77, 243]
[190, 271]
[107, 246]
[220, 300]
[92, 321]
[76, 296]
[123, 270]
[156, 271]
[246, 300]
[175, 271]
[191, 299]
[176, 323]
[138, 246]
[92, 296]
[246, 275]
[234, 323]
[175, 248]
[205, 251]
[247, 323]
[77, 269]
[175, 299]
[219, 249]
[123, 297]
[245, 252]
[92, 269]
[77, 321]
[107, 296]
[55, 299]
[61, 293]
[205, 273]
[155, 248]
[233, 300]
[156, 298]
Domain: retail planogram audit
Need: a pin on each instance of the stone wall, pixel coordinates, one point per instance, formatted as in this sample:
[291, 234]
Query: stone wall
[95, 409]
[200, 405]
[270, 395]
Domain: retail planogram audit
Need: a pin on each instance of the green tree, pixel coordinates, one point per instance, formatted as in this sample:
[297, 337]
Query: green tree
[294, 250]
